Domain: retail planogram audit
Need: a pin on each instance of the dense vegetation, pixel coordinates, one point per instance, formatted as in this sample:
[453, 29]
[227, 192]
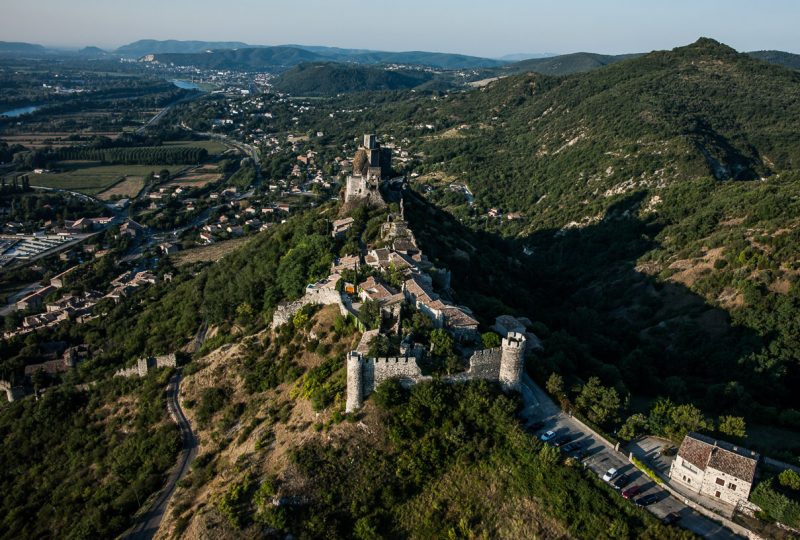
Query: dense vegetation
[330, 78]
[143, 155]
[79, 463]
[452, 462]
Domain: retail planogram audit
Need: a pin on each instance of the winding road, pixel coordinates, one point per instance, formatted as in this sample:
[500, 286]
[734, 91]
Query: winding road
[148, 523]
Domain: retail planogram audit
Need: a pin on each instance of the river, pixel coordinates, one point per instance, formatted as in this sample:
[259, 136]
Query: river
[14, 113]
[186, 85]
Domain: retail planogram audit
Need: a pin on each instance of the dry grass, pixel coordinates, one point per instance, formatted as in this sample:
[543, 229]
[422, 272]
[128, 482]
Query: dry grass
[222, 367]
[127, 188]
[195, 180]
[211, 253]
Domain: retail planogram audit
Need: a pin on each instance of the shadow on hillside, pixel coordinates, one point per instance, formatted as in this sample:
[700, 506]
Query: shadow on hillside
[606, 317]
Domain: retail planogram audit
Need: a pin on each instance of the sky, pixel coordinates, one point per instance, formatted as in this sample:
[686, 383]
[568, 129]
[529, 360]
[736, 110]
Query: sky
[490, 28]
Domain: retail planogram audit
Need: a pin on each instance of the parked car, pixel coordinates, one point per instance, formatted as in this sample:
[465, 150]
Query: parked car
[535, 426]
[672, 517]
[547, 435]
[647, 500]
[610, 474]
[622, 481]
[561, 441]
[571, 447]
[581, 454]
[632, 491]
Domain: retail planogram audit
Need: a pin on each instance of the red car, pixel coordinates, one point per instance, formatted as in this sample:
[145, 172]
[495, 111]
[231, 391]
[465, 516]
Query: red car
[632, 491]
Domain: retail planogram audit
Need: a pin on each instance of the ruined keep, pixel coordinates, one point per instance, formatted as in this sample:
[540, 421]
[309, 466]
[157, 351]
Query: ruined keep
[503, 365]
[370, 164]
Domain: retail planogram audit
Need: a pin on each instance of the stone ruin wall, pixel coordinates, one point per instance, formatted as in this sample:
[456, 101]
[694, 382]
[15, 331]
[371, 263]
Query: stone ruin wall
[13, 393]
[144, 365]
[503, 364]
[285, 311]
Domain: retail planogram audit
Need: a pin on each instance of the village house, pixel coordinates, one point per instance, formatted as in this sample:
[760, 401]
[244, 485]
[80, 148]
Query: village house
[341, 226]
[34, 301]
[348, 262]
[373, 289]
[58, 280]
[715, 468]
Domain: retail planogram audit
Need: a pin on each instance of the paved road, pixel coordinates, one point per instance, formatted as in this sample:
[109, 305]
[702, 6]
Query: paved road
[601, 457]
[148, 523]
[11, 304]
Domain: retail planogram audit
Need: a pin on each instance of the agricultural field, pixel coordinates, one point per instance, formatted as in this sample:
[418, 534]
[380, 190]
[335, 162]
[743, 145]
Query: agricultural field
[125, 189]
[197, 177]
[213, 147]
[93, 178]
[56, 139]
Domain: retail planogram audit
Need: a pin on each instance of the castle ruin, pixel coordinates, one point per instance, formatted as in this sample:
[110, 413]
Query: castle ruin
[143, 365]
[503, 364]
[369, 165]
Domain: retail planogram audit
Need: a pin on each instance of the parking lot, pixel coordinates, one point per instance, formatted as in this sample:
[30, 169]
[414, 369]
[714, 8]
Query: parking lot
[600, 457]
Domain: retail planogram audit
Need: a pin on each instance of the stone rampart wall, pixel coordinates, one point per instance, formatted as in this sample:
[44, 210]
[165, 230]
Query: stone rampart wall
[285, 311]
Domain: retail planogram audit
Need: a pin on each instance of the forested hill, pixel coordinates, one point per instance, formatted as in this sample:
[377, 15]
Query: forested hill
[332, 78]
[277, 58]
[658, 198]
[780, 58]
[267, 58]
[703, 110]
[566, 64]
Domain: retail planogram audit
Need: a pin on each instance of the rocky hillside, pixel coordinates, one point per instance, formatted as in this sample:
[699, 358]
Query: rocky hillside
[278, 455]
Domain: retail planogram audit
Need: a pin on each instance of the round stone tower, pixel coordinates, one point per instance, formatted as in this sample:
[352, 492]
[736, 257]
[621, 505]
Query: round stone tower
[355, 382]
[512, 360]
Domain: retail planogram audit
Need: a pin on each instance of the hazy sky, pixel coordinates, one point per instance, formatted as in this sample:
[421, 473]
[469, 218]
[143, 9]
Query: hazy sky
[484, 28]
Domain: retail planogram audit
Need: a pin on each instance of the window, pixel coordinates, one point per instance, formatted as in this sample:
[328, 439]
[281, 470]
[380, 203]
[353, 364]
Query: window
[717, 494]
[732, 487]
[720, 482]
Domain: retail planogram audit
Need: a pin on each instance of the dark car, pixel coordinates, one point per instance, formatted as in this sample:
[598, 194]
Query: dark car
[632, 491]
[672, 517]
[535, 426]
[647, 500]
[571, 447]
[561, 441]
[582, 454]
[622, 481]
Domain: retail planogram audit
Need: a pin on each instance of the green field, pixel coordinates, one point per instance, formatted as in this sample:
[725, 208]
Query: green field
[213, 147]
[93, 177]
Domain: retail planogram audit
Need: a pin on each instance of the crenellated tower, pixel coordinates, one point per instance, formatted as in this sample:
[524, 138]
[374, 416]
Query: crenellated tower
[355, 382]
[512, 360]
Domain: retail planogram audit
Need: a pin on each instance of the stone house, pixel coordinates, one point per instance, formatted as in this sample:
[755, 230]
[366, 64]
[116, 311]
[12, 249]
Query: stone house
[715, 468]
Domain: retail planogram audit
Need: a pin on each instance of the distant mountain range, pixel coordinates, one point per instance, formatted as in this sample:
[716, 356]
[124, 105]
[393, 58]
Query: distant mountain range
[276, 58]
[780, 58]
[517, 57]
[172, 46]
[240, 55]
[11, 47]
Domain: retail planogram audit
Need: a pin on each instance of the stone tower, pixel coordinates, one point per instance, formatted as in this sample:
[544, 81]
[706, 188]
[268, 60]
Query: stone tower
[141, 366]
[355, 382]
[512, 359]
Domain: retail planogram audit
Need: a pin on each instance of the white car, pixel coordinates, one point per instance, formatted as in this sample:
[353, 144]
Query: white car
[610, 474]
[547, 435]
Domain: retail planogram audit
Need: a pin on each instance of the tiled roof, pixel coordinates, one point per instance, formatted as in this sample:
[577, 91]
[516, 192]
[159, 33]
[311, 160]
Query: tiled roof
[703, 452]
[695, 452]
[375, 289]
[457, 318]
